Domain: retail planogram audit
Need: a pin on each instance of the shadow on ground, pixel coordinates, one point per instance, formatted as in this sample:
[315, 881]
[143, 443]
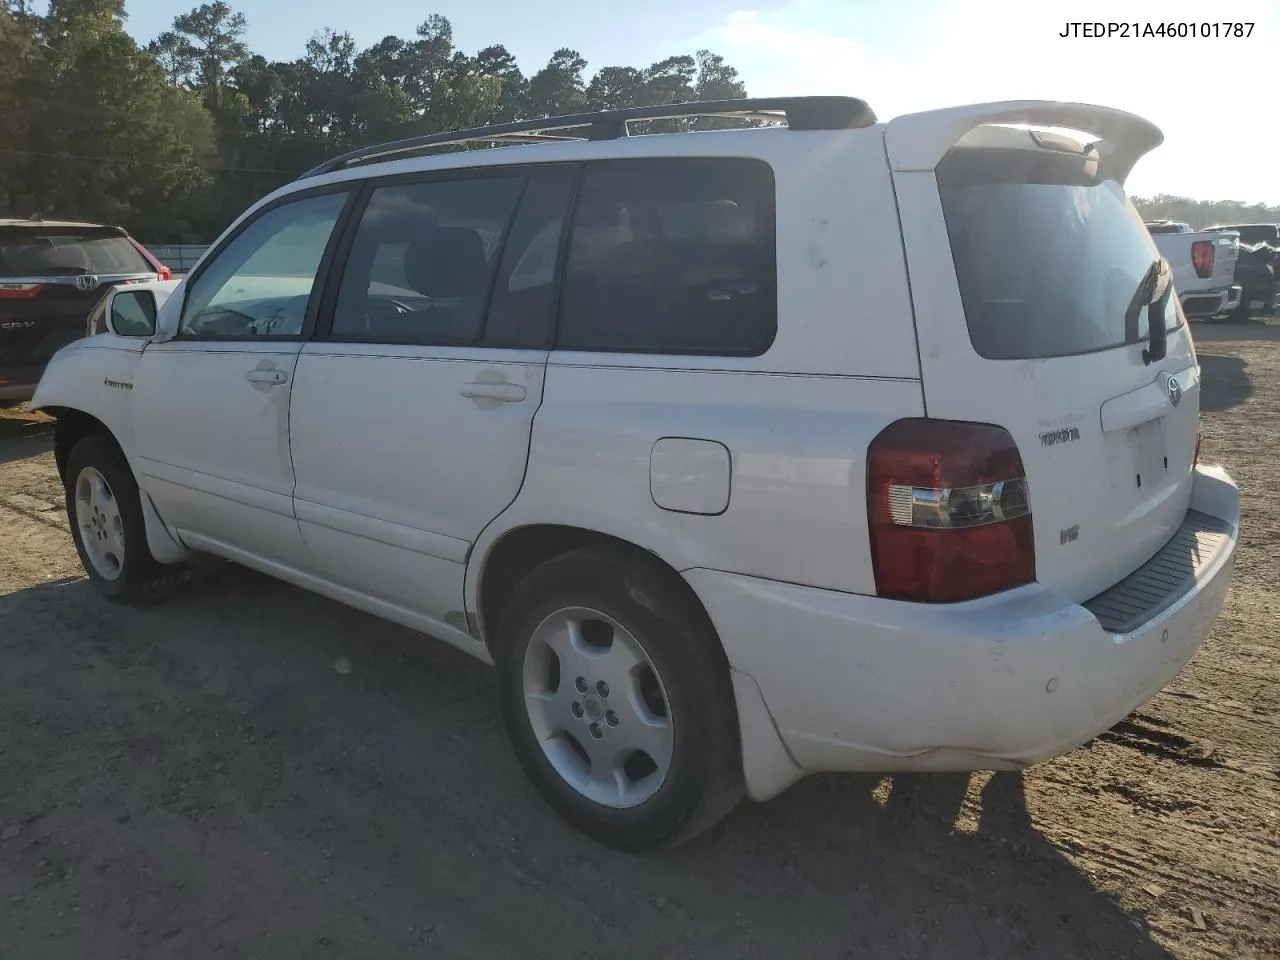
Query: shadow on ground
[1224, 382]
[21, 438]
[253, 770]
[1254, 329]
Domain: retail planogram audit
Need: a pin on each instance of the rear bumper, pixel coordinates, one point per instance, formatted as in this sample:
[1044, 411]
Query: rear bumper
[861, 683]
[1210, 303]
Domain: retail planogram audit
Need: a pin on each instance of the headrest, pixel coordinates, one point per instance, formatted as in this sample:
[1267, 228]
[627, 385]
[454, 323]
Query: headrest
[445, 262]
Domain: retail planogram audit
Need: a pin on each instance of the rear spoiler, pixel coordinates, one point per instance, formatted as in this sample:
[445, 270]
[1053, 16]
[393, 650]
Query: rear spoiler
[919, 141]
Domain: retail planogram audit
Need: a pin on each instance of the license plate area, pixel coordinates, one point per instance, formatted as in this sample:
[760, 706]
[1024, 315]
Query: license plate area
[1150, 454]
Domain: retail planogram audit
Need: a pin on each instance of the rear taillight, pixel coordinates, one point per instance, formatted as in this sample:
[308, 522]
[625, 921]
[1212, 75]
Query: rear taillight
[1202, 258]
[949, 511]
[165, 273]
[20, 291]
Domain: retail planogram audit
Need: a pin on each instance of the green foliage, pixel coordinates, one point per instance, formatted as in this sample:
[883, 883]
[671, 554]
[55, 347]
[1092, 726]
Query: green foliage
[1204, 213]
[175, 140]
[93, 128]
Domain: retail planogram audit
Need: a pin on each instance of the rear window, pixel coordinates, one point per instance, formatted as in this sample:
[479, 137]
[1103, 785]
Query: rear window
[34, 252]
[1255, 234]
[1047, 253]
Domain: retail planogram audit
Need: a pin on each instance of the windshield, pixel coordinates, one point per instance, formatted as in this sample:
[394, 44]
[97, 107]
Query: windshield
[1048, 255]
[33, 252]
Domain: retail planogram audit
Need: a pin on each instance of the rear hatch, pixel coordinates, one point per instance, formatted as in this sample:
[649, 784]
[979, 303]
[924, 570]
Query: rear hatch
[51, 275]
[1033, 256]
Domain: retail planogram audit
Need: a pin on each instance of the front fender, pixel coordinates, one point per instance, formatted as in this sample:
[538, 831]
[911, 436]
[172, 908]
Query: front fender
[94, 376]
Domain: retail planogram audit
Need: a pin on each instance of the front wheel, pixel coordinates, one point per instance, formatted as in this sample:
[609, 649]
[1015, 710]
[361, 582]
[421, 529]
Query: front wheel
[104, 508]
[616, 698]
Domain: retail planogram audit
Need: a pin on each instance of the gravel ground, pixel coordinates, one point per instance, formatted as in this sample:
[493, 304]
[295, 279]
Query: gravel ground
[251, 771]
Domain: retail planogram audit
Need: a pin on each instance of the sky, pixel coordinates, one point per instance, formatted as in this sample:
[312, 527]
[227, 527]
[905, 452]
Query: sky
[1221, 136]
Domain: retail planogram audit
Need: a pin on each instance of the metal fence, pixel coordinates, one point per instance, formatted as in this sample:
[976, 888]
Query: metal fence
[178, 257]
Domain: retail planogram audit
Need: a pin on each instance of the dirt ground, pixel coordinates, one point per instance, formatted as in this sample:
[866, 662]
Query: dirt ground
[201, 780]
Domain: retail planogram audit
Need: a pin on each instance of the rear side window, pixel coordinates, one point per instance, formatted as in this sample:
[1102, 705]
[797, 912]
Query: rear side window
[422, 261]
[672, 256]
[1047, 254]
[34, 252]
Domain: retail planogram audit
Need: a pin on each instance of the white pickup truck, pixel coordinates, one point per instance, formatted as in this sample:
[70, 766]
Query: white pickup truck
[1204, 267]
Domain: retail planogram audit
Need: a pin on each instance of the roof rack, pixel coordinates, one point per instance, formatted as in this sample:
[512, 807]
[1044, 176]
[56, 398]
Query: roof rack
[800, 113]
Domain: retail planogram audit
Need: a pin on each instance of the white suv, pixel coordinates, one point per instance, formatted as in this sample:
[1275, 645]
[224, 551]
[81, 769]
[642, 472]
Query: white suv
[742, 454]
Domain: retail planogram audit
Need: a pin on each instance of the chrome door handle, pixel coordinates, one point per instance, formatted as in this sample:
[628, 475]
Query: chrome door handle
[502, 392]
[266, 376]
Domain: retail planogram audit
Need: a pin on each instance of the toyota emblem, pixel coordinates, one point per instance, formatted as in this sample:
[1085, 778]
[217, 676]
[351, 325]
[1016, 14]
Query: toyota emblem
[87, 282]
[1175, 390]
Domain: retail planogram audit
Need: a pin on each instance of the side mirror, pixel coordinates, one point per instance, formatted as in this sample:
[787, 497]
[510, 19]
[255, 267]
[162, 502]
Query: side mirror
[132, 313]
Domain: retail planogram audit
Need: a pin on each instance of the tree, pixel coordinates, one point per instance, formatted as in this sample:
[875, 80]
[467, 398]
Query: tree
[211, 36]
[175, 140]
[558, 88]
[260, 85]
[106, 137]
[670, 81]
[176, 57]
[426, 62]
[496, 61]
[616, 88]
[20, 65]
[716, 79]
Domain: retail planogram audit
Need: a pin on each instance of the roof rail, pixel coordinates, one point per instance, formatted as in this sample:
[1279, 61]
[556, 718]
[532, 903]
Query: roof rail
[800, 113]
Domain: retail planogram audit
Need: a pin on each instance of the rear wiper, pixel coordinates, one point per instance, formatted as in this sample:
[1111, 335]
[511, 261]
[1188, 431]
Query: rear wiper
[1153, 293]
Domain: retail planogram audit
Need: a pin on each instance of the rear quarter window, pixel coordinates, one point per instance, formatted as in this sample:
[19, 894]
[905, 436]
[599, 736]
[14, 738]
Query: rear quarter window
[672, 256]
[1047, 254]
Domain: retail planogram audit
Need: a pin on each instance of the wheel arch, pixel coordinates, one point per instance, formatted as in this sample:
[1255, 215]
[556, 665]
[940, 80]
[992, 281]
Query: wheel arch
[73, 425]
[516, 551]
[767, 765]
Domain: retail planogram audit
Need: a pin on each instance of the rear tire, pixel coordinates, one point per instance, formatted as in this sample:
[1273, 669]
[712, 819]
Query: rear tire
[616, 698]
[104, 508]
[1269, 304]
